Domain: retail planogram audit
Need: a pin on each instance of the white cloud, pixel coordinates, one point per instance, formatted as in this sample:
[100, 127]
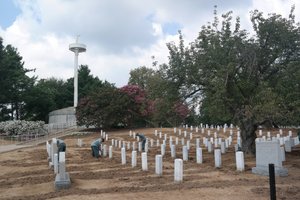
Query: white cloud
[120, 34]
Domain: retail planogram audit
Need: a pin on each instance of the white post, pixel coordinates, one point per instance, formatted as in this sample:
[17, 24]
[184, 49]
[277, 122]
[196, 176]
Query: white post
[144, 162]
[76, 78]
[163, 149]
[104, 150]
[209, 146]
[282, 153]
[197, 143]
[140, 147]
[110, 152]
[218, 161]
[182, 141]
[133, 146]
[62, 165]
[240, 164]
[55, 163]
[178, 170]
[173, 151]
[123, 155]
[188, 145]
[199, 155]
[185, 156]
[170, 141]
[158, 165]
[223, 149]
[53, 149]
[128, 145]
[133, 158]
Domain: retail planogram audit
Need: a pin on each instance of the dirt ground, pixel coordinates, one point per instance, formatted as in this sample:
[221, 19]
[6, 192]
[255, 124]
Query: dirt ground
[25, 174]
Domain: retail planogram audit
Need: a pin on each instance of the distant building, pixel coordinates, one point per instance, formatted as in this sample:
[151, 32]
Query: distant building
[63, 116]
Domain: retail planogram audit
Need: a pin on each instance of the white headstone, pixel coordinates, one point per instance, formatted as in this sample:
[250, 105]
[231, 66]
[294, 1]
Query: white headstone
[185, 156]
[173, 151]
[133, 158]
[163, 149]
[55, 163]
[158, 165]
[199, 158]
[178, 170]
[144, 162]
[268, 152]
[104, 150]
[240, 163]
[110, 152]
[123, 156]
[218, 160]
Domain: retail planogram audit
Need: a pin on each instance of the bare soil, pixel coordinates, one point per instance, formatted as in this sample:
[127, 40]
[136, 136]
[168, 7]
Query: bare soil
[25, 174]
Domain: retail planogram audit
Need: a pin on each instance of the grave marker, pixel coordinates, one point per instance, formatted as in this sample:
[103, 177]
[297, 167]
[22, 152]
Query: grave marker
[144, 162]
[240, 163]
[178, 170]
[268, 152]
[62, 179]
[158, 165]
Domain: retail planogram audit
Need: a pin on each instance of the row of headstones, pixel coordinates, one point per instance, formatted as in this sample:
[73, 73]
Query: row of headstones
[218, 127]
[208, 144]
[185, 149]
[58, 163]
[178, 162]
[102, 135]
[218, 142]
[206, 126]
[288, 141]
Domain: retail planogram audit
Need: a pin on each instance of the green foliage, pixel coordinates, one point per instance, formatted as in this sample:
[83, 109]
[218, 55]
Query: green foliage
[241, 79]
[45, 96]
[104, 108]
[14, 83]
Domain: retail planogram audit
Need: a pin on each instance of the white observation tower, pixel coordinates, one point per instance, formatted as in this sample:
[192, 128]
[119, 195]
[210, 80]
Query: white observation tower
[76, 48]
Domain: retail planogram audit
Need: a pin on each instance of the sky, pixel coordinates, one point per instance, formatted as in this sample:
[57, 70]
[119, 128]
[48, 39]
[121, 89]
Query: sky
[120, 35]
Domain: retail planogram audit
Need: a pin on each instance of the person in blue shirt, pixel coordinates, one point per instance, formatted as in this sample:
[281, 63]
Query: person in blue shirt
[96, 147]
[61, 146]
[142, 139]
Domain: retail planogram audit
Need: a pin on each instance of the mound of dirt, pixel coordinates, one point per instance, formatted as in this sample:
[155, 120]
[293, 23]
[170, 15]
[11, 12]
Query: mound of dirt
[25, 173]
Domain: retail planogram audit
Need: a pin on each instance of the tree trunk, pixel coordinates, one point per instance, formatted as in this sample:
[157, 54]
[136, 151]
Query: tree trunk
[248, 128]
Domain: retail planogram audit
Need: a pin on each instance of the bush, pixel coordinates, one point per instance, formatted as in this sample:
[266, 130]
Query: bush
[20, 127]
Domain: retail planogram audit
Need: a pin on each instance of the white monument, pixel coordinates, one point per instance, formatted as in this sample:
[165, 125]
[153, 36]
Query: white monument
[76, 48]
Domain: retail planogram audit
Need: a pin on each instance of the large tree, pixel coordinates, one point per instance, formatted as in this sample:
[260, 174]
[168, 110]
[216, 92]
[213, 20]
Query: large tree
[162, 95]
[45, 96]
[239, 78]
[105, 107]
[14, 83]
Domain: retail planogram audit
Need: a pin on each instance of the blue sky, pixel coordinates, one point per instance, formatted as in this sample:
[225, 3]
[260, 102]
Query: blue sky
[8, 13]
[120, 34]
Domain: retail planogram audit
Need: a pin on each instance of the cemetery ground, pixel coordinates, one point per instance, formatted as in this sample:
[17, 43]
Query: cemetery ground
[25, 173]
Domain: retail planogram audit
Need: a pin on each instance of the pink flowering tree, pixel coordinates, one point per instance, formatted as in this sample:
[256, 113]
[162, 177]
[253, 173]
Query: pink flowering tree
[140, 108]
